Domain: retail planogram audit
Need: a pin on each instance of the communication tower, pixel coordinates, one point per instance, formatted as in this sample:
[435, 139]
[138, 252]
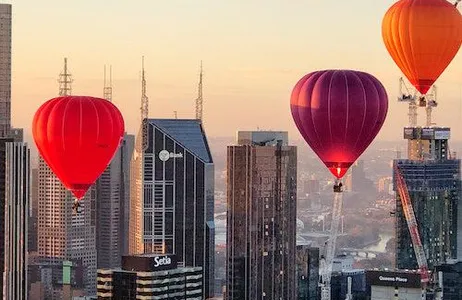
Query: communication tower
[199, 99]
[107, 91]
[65, 81]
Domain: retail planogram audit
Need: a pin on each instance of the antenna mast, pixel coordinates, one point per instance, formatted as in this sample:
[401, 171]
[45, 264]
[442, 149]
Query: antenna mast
[107, 91]
[65, 81]
[199, 99]
[144, 107]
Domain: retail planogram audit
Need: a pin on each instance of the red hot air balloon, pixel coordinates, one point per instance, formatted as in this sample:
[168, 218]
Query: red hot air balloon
[422, 37]
[77, 136]
[339, 113]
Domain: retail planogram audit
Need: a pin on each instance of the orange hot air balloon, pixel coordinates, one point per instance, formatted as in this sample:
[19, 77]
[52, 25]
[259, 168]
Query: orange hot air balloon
[422, 37]
[77, 136]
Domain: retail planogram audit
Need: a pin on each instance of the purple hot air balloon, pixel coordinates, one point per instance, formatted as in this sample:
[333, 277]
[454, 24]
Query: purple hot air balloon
[339, 113]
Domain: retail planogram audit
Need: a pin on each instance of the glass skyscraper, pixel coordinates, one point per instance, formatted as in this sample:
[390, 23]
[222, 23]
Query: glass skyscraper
[172, 195]
[261, 217]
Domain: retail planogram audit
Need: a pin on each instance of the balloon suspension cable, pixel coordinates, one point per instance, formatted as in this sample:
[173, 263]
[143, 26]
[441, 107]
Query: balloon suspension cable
[76, 206]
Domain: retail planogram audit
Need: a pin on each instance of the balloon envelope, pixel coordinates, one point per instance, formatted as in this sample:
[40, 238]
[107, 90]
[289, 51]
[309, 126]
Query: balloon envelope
[422, 37]
[77, 136]
[339, 113]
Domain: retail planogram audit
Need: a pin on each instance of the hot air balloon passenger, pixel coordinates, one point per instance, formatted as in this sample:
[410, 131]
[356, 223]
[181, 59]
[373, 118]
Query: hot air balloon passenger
[76, 206]
[338, 186]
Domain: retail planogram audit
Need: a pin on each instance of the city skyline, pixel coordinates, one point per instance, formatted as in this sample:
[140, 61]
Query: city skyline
[256, 68]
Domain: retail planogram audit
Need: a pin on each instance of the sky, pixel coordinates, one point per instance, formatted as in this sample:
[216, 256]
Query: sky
[253, 52]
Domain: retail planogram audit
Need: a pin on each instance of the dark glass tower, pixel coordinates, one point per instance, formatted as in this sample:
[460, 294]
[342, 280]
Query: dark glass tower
[261, 217]
[172, 196]
[433, 179]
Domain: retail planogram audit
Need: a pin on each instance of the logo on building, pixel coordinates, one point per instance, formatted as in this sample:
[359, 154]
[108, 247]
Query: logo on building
[164, 155]
[162, 261]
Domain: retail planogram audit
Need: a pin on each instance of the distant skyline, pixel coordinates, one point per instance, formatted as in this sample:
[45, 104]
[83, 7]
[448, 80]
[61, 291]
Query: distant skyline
[253, 53]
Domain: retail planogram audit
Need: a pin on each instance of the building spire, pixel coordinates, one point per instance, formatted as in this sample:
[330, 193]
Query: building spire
[199, 99]
[144, 106]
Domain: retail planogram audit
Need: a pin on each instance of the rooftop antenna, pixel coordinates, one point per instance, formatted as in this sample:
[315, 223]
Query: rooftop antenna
[144, 107]
[107, 91]
[65, 81]
[199, 99]
[175, 114]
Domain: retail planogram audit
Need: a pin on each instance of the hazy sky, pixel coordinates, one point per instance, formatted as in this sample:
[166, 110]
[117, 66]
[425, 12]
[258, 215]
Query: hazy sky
[253, 52]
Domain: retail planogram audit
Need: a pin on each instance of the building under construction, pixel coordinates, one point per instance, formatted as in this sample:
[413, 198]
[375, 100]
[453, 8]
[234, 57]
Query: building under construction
[432, 177]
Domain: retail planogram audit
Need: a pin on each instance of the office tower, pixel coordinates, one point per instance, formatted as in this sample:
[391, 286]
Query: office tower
[433, 179]
[127, 154]
[112, 187]
[261, 217]
[307, 264]
[448, 277]
[5, 69]
[172, 195]
[150, 276]
[15, 174]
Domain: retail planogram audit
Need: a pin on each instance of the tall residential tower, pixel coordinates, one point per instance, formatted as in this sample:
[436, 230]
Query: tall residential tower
[5, 69]
[261, 230]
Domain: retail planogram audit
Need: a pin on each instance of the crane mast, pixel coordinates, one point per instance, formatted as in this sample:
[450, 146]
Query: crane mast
[412, 225]
[65, 81]
[107, 91]
[144, 107]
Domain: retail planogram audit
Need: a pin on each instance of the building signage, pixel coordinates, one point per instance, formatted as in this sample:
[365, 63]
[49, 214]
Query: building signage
[162, 261]
[165, 155]
[408, 133]
[427, 133]
[387, 278]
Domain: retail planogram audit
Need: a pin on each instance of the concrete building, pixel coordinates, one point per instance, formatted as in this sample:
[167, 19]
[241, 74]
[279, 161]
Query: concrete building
[15, 175]
[113, 187]
[172, 196]
[261, 217]
[63, 235]
[5, 69]
[393, 285]
[307, 263]
[150, 276]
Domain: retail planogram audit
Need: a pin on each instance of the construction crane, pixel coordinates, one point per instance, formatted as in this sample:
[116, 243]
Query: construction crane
[144, 107]
[416, 100]
[199, 99]
[326, 264]
[412, 225]
[65, 81]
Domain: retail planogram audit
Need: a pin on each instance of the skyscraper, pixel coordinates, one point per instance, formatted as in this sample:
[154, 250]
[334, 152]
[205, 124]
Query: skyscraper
[172, 195]
[261, 231]
[433, 179]
[112, 187]
[63, 235]
[5, 69]
[16, 156]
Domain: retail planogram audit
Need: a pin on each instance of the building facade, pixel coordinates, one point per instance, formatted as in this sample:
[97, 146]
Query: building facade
[5, 69]
[150, 276]
[16, 174]
[433, 180]
[172, 196]
[261, 217]
[113, 188]
[62, 234]
[307, 264]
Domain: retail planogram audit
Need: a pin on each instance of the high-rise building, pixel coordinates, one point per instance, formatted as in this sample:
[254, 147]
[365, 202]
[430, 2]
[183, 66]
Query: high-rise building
[307, 263]
[33, 221]
[5, 69]
[433, 180]
[15, 174]
[261, 217]
[172, 195]
[112, 187]
[62, 234]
